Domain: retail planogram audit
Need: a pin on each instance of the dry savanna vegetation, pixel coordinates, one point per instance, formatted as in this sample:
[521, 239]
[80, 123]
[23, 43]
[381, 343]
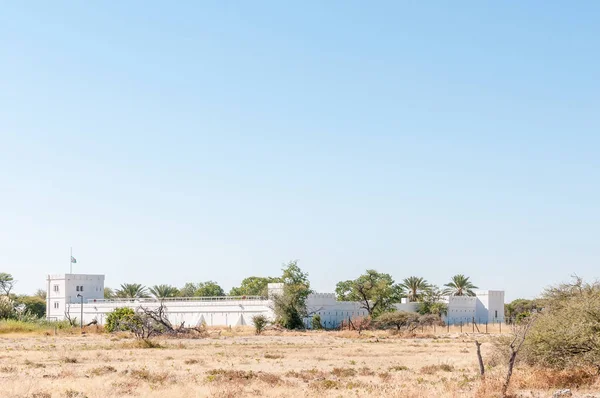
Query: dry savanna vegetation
[237, 362]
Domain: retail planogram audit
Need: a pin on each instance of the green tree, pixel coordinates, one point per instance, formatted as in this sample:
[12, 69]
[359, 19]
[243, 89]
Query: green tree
[164, 291]
[460, 285]
[7, 283]
[316, 323]
[34, 305]
[132, 290]
[254, 286]
[209, 289]
[399, 320]
[109, 293]
[376, 292]
[519, 308]
[188, 290]
[431, 302]
[260, 322]
[119, 319]
[290, 307]
[41, 293]
[414, 288]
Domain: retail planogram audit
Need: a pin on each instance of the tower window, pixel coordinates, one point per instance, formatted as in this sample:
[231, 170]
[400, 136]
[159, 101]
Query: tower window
[56, 288]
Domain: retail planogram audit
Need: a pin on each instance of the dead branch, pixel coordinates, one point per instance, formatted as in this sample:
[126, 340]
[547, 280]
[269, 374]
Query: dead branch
[480, 359]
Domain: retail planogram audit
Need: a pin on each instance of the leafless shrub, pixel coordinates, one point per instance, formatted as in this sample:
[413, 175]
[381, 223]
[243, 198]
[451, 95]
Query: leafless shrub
[273, 356]
[343, 372]
[431, 369]
[103, 370]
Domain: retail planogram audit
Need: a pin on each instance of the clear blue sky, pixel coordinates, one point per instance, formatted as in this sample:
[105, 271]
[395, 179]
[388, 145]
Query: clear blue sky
[196, 141]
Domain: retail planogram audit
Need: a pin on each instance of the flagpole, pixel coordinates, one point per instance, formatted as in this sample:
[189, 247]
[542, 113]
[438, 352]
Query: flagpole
[71, 260]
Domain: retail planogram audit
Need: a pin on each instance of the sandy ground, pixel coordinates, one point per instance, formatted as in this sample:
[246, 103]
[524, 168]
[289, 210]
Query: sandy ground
[317, 364]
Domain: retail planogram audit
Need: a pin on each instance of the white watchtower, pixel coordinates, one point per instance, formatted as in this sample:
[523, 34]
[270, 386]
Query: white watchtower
[63, 290]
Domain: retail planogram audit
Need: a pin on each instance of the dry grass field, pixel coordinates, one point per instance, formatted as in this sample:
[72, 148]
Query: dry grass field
[236, 363]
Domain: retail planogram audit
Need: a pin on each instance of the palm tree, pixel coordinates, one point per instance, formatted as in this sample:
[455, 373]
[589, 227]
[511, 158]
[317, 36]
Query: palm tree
[109, 293]
[414, 287]
[132, 290]
[164, 291]
[460, 286]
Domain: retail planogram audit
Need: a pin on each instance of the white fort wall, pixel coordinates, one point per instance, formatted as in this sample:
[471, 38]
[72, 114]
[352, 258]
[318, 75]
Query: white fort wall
[217, 312]
[487, 306]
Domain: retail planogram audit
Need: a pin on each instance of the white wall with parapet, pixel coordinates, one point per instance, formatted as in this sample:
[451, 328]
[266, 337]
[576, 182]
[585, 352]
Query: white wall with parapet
[460, 309]
[217, 312]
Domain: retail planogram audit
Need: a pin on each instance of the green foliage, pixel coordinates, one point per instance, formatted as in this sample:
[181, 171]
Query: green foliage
[34, 305]
[7, 283]
[430, 302]
[460, 285]
[119, 319]
[132, 290]
[375, 291]
[566, 333]
[164, 291]
[316, 322]
[260, 322]
[202, 289]
[520, 308]
[209, 289]
[254, 286]
[41, 293]
[290, 307]
[188, 290]
[109, 293]
[398, 319]
[414, 288]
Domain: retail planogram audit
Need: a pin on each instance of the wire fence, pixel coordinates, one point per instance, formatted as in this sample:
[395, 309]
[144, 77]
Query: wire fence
[449, 326]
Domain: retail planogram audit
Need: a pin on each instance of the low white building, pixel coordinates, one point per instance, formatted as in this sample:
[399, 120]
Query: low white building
[74, 295]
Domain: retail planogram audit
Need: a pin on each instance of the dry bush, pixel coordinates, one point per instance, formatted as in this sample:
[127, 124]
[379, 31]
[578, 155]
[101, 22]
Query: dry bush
[566, 333]
[142, 343]
[365, 371]
[70, 393]
[103, 370]
[273, 356]
[41, 394]
[326, 384]
[69, 360]
[191, 361]
[148, 376]
[307, 375]
[431, 369]
[398, 368]
[544, 378]
[34, 364]
[343, 372]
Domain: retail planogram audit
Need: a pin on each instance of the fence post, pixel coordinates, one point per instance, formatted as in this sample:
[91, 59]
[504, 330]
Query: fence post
[486, 328]
[473, 324]
[461, 325]
[500, 327]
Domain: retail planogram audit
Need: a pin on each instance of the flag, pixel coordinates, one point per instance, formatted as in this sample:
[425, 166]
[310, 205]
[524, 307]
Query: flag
[73, 260]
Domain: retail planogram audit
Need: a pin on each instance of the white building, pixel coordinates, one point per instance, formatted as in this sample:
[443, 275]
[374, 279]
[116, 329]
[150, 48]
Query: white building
[72, 294]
